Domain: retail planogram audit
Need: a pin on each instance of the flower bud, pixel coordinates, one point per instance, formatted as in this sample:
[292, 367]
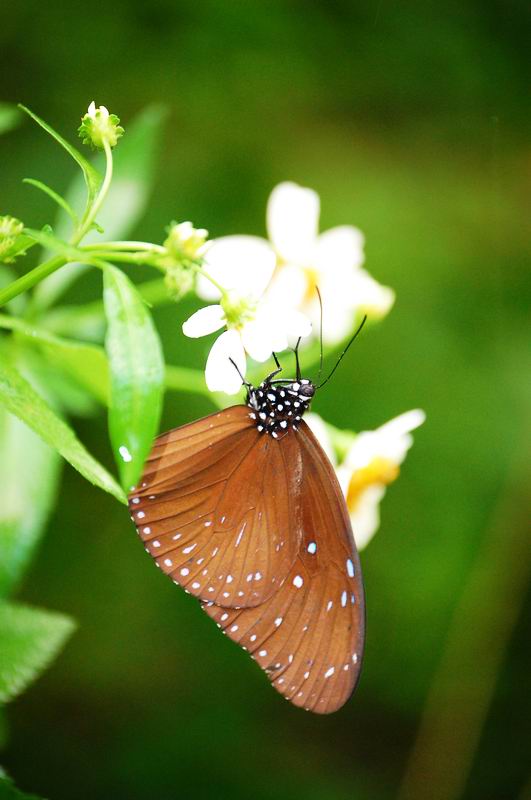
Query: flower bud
[10, 230]
[98, 127]
[184, 242]
[179, 281]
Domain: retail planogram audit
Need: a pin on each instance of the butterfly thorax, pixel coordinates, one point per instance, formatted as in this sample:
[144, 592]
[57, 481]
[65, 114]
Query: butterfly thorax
[277, 407]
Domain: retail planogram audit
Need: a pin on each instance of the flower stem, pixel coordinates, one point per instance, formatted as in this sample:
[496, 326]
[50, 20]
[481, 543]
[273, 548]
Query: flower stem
[29, 280]
[93, 211]
[200, 271]
[126, 245]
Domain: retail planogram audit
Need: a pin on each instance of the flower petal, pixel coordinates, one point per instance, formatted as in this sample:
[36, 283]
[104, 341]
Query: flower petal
[365, 518]
[339, 249]
[244, 264]
[296, 324]
[263, 336]
[205, 321]
[292, 222]
[391, 441]
[370, 297]
[220, 374]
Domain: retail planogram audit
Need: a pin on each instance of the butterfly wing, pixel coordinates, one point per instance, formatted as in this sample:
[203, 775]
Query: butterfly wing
[214, 507]
[308, 637]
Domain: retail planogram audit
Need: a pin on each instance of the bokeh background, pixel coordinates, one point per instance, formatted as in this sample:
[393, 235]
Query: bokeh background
[412, 122]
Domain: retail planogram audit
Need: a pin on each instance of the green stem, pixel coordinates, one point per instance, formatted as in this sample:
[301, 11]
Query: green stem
[29, 280]
[200, 271]
[126, 258]
[126, 245]
[43, 270]
[96, 206]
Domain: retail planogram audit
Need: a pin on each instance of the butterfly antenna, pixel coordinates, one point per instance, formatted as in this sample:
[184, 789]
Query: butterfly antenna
[236, 367]
[343, 353]
[320, 334]
[297, 364]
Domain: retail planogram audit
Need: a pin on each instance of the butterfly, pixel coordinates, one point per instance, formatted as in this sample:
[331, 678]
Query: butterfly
[243, 510]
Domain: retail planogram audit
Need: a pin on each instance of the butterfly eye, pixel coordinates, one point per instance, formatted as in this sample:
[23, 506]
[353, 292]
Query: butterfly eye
[307, 390]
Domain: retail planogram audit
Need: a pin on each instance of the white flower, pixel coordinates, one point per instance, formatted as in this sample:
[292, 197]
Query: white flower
[243, 267]
[371, 463]
[330, 261]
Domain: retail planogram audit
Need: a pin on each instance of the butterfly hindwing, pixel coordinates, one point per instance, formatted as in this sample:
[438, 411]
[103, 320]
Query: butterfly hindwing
[308, 636]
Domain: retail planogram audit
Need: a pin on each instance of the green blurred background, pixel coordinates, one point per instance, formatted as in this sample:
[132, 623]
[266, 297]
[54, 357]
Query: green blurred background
[411, 121]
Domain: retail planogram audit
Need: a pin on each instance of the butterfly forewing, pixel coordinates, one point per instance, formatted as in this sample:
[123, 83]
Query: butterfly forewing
[308, 636]
[218, 508]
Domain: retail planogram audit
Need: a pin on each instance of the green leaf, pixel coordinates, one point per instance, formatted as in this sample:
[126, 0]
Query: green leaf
[30, 639]
[91, 176]
[19, 397]
[137, 374]
[87, 321]
[133, 176]
[8, 791]
[61, 202]
[29, 471]
[86, 363]
[10, 117]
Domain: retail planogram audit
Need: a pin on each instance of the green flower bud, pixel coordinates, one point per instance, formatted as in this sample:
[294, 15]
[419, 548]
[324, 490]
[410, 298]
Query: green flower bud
[179, 281]
[10, 230]
[238, 310]
[184, 242]
[98, 127]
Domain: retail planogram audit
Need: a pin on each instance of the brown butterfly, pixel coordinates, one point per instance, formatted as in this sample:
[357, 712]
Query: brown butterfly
[243, 510]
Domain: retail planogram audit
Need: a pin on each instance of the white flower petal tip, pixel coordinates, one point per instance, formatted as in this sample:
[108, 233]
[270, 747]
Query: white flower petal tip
[205, 321]
[221, 375]
[292, 221]
[244, 264]
[370, 297]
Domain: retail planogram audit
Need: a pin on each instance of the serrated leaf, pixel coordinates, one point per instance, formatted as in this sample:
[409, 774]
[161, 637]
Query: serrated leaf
[133, 175]
[30, 639]
[21, 399]
[91, 176]
[29, 471]
[137, 374]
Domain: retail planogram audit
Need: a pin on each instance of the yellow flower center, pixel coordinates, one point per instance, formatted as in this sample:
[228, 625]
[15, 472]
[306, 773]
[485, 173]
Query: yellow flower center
[312, 282]
[379, 471]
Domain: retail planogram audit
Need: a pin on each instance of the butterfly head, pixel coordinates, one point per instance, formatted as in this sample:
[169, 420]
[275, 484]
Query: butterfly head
[277, 406]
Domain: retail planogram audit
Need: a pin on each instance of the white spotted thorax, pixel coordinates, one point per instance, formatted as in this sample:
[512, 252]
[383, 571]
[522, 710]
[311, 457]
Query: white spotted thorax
[278, 406]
